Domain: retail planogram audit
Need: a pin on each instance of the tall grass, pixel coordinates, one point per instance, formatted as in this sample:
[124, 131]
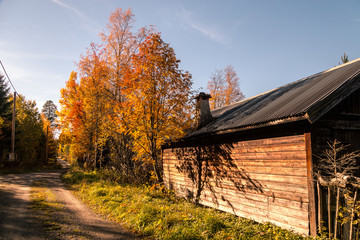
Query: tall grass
[161, 215]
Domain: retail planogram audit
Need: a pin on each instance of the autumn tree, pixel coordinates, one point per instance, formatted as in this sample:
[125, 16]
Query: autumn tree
[120, 43]
[216, 86]
[224, 88]
[158, 100]
[30, 137]
[99, 92]
[126, 98]
[50, 144]
[72, 119]
[94, 75]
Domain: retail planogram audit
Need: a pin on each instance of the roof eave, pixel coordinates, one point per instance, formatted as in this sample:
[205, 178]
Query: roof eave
[290, 119]
[325, 105]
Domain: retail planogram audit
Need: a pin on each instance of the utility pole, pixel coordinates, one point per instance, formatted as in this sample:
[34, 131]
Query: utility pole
[47, 143]
[12, 154]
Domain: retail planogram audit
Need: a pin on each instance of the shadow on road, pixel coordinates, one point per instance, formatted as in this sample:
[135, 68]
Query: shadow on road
[16, 221]
[65, 216]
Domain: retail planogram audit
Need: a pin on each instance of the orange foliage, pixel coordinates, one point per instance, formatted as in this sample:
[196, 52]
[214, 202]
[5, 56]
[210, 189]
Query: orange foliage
[157, 99]
[224, 88]
[131, 86]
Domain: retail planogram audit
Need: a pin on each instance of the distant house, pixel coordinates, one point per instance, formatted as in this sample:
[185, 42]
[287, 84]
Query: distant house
[270, 142]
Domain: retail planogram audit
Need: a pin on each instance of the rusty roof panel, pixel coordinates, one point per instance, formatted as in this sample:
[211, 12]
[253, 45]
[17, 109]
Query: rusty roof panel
[291, 100]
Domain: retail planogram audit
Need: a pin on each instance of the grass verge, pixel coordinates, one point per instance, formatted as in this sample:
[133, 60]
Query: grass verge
[159, 215]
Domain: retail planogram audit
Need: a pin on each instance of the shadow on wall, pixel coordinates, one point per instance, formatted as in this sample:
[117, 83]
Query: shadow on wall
[212, 166]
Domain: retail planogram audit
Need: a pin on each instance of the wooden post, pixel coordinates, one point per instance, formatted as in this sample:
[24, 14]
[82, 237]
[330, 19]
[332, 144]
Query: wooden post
[319, 203]
[352, 215]
[329, 211]
[336, 211]
[12, 154]
[311, 192]
[47, 144]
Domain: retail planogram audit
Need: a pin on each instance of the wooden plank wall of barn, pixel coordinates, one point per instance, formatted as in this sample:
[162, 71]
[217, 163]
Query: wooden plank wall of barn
[341, 123]
[277, 165]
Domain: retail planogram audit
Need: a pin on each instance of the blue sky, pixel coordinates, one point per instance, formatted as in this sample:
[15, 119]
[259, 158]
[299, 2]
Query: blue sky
[269, 43]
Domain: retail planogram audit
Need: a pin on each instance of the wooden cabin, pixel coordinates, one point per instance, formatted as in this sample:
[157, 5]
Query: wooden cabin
[267, 145]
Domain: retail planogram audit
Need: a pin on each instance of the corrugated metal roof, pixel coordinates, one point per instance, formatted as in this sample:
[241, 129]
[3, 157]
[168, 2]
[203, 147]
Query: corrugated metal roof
[296, 99]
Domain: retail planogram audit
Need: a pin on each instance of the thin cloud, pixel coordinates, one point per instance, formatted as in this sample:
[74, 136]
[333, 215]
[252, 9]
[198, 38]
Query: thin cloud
[88, 22]
[209, 31]
[76, 11]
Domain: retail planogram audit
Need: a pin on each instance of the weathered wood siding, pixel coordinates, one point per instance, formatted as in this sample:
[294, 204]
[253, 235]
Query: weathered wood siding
[341, 123]
[276, 165]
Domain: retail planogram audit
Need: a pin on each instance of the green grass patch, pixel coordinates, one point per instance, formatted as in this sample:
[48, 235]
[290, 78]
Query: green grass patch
[160, 215]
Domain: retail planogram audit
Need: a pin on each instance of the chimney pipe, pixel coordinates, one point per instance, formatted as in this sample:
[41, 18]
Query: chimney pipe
[203, 114]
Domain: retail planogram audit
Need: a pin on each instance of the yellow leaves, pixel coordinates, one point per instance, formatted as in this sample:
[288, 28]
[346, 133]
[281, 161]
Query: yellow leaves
[158, 98]
[224, 88]
[131, 86]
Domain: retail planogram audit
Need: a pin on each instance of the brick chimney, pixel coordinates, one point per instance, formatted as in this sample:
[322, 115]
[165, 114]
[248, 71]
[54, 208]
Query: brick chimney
[203, 114]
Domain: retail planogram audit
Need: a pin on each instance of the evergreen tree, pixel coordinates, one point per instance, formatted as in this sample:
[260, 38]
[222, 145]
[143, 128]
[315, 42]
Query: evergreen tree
[344, 59]
[49, 110]
[5, 119]
[5, 104]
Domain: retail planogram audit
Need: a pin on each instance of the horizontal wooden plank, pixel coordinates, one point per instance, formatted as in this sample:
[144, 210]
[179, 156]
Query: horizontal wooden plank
[259, 177]
[269, 205]
[280, 193]
[301, 163]
[289, 171]
[281, 156]
[266, 162]
[260, 185]
[257, 218]
[298, 203]
[270, 141]
[269, 149]
[260, 216]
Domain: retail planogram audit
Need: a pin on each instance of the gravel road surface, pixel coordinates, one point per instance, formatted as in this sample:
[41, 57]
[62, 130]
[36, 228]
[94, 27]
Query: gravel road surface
[76, 221]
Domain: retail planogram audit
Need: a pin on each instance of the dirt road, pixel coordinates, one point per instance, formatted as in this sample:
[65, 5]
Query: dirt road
[74, 220]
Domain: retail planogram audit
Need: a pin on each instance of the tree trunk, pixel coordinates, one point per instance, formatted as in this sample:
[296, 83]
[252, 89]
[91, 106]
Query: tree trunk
[47, 145]
[337, 211]
[95, 156]
[101, 156]
[157, 173]
[156, 166]
[319, 205]
[329, 211]
[352, 215]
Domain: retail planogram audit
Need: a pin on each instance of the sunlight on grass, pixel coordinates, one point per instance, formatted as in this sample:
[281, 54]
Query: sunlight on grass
[163, 216]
